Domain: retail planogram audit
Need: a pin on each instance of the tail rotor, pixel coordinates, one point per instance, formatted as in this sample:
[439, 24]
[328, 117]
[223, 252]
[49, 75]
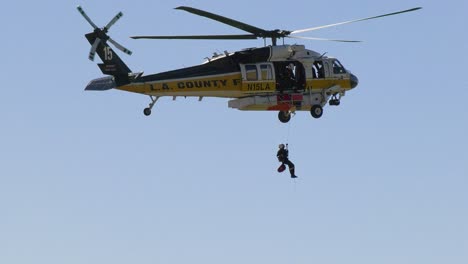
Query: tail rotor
[101, 36]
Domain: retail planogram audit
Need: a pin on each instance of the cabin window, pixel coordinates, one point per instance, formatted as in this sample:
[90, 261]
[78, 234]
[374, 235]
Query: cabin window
[338, 68]
[267, 72]
[251, 72]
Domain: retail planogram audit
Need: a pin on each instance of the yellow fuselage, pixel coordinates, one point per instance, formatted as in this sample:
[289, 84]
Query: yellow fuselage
[225, 86]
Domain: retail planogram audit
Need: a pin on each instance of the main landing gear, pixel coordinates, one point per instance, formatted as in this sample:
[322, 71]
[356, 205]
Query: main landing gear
[316, 111]
[147, 111]
[284, 116]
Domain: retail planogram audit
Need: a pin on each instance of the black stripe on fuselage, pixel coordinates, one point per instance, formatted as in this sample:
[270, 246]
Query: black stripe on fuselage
[216, 66]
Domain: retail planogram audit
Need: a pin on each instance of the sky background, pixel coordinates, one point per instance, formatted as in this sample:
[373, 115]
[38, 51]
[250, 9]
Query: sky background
[85, 177]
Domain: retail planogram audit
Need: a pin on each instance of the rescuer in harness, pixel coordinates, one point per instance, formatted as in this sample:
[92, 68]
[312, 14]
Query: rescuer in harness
[283, 158]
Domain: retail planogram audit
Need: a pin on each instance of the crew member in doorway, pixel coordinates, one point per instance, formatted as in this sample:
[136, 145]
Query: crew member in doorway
[283, 158]
[287, 81]
[290, 77]
[318, 66]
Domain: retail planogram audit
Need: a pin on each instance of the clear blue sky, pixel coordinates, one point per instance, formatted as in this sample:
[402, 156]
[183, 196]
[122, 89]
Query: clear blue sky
[86, 178]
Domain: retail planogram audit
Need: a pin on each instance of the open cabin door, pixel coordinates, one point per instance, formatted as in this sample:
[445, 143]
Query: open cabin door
[258, 77]
[290, 76]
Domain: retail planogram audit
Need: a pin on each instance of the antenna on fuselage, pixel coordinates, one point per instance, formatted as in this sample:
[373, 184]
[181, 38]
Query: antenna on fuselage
[321, 56]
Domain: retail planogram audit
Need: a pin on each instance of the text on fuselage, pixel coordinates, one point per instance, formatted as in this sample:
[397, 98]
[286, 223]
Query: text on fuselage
[221, 83]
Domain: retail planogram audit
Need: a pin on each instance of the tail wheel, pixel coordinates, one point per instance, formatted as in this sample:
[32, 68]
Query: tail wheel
[316, 111]
[147, 111]
[284, 116]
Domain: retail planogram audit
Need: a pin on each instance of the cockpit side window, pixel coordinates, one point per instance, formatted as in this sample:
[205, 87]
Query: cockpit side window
[338, 68]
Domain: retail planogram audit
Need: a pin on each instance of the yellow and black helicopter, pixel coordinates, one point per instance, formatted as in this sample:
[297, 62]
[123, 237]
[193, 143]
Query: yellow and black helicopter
[283, 78]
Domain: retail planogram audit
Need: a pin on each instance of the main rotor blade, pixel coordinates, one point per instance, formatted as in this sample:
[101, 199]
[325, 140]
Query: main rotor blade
[337, 40]
[120, 47]
[82, 12]
[231, 22]
[92, 52]
[112, 22]
[198, 37]
[352, 21]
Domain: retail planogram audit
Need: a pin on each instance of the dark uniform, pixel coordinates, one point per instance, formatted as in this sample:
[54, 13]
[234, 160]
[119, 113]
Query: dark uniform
[283, 157]
[286, 80]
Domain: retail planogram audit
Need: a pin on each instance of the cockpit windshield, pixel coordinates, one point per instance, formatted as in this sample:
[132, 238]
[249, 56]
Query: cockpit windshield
[338, 68]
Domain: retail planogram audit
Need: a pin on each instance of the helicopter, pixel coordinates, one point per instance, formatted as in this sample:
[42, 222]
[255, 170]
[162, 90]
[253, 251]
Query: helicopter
[282, 78]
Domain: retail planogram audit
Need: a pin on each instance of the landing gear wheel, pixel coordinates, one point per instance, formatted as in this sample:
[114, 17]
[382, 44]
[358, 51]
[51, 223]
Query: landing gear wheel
[284, 116]
[334, 102]
[316, 111]
[147, 111]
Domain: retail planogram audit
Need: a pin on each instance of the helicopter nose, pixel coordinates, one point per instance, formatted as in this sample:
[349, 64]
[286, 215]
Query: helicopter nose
[354, 80]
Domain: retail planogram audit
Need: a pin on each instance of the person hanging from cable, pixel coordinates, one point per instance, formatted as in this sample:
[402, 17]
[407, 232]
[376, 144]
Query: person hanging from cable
[283, 158]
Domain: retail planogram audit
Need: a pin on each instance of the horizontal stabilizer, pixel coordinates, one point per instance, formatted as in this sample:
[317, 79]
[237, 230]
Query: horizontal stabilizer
[101, 84]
